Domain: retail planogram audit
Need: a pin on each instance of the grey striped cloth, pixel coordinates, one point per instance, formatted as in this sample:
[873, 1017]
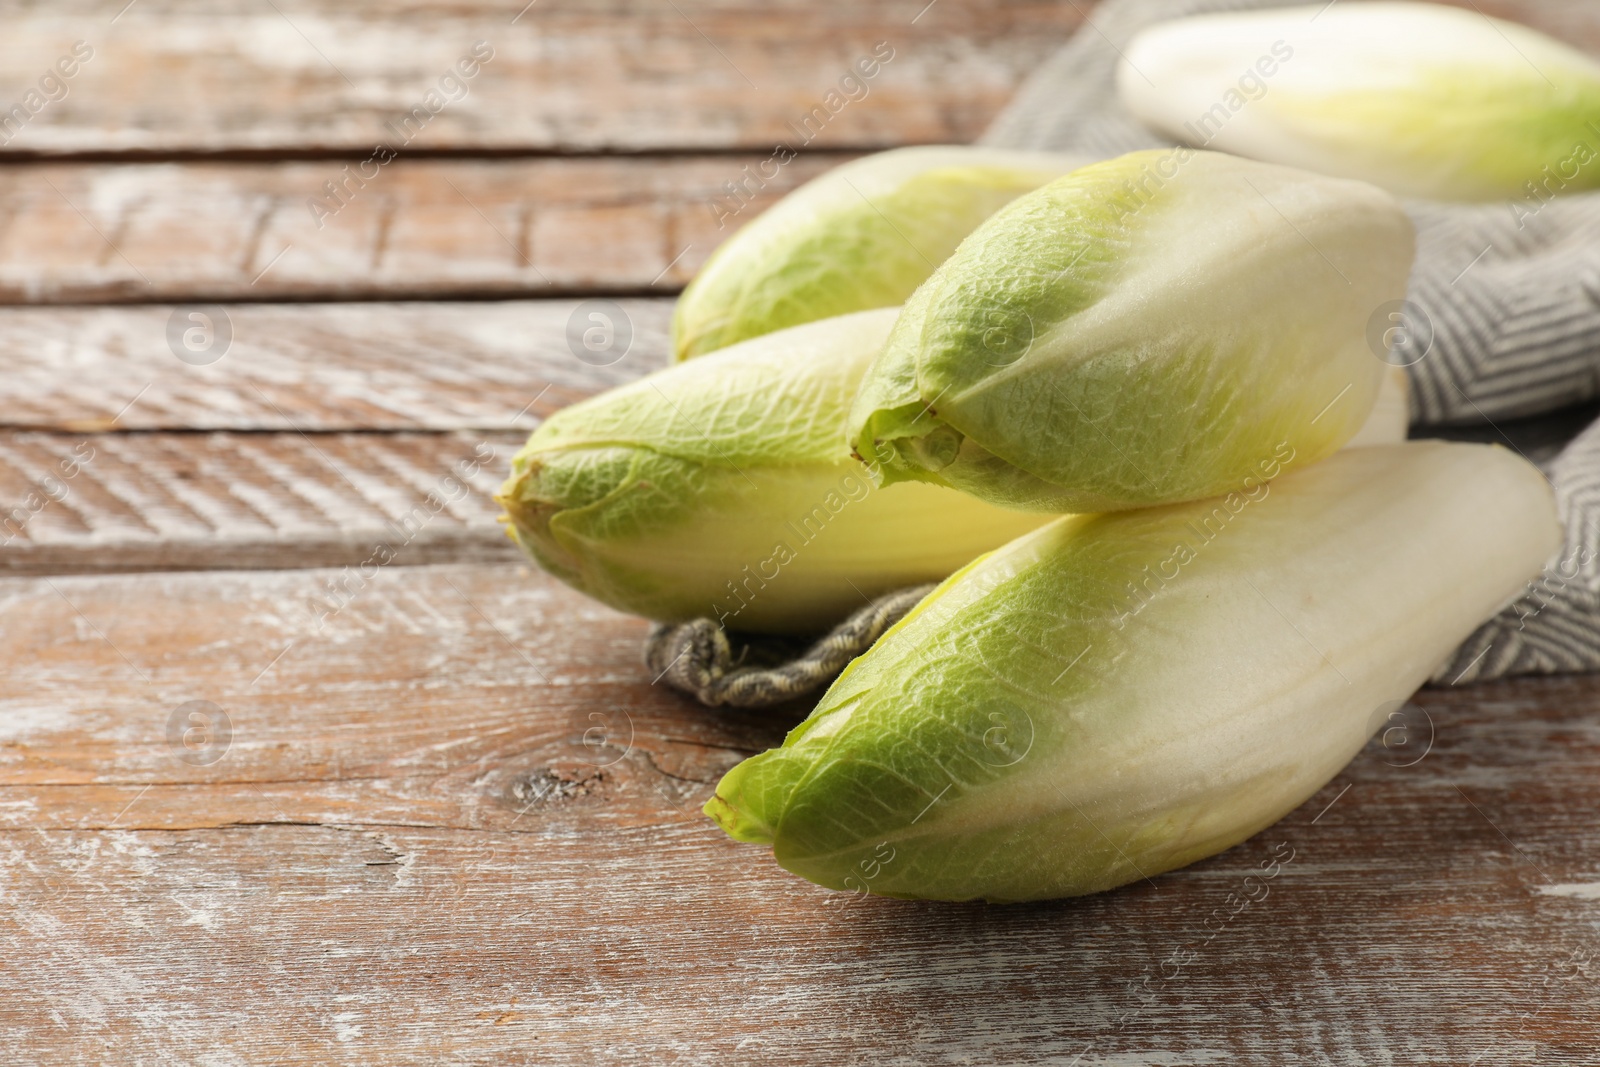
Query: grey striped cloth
[1509, 312]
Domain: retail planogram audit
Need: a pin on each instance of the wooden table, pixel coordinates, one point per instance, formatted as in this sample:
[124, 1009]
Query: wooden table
[263, 800]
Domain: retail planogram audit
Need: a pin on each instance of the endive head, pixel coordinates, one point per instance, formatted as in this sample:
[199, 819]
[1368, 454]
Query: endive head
[1138, 332]
[862, 236]
[1422, 99]
[1114, 696]
[723, 488]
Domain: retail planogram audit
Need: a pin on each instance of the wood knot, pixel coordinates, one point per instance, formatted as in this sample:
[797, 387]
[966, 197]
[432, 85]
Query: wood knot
[558, 782]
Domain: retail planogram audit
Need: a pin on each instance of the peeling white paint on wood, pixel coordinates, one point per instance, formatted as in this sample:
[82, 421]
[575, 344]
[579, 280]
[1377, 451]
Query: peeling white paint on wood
[1575, 890]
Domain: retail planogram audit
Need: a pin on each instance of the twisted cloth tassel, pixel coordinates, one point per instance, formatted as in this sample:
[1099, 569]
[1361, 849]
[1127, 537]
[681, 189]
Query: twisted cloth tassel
[697, 658]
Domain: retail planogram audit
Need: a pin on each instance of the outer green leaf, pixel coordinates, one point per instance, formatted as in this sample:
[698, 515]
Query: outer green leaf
[1115, 696]
[1141, 331]
[724, 488]
[1422, 99]
[862, 236]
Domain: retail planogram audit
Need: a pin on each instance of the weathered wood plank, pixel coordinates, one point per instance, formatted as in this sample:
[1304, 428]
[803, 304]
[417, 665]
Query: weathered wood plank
[502, 649]
[321, 367]
[420, 845]
[129, 502]
[560, 75]
[415, 228]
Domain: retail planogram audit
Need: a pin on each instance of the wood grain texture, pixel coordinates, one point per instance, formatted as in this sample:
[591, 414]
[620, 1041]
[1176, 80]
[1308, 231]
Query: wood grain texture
[486, 367]
[169, 75]
[413, 228]
[196, 501]
[450, 819]
[456, 823]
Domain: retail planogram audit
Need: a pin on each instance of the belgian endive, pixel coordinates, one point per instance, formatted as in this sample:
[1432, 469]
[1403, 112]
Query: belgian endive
[1115, 696]
[1422, 99]
[1141, 331]
[723, 488]
[861, 236]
